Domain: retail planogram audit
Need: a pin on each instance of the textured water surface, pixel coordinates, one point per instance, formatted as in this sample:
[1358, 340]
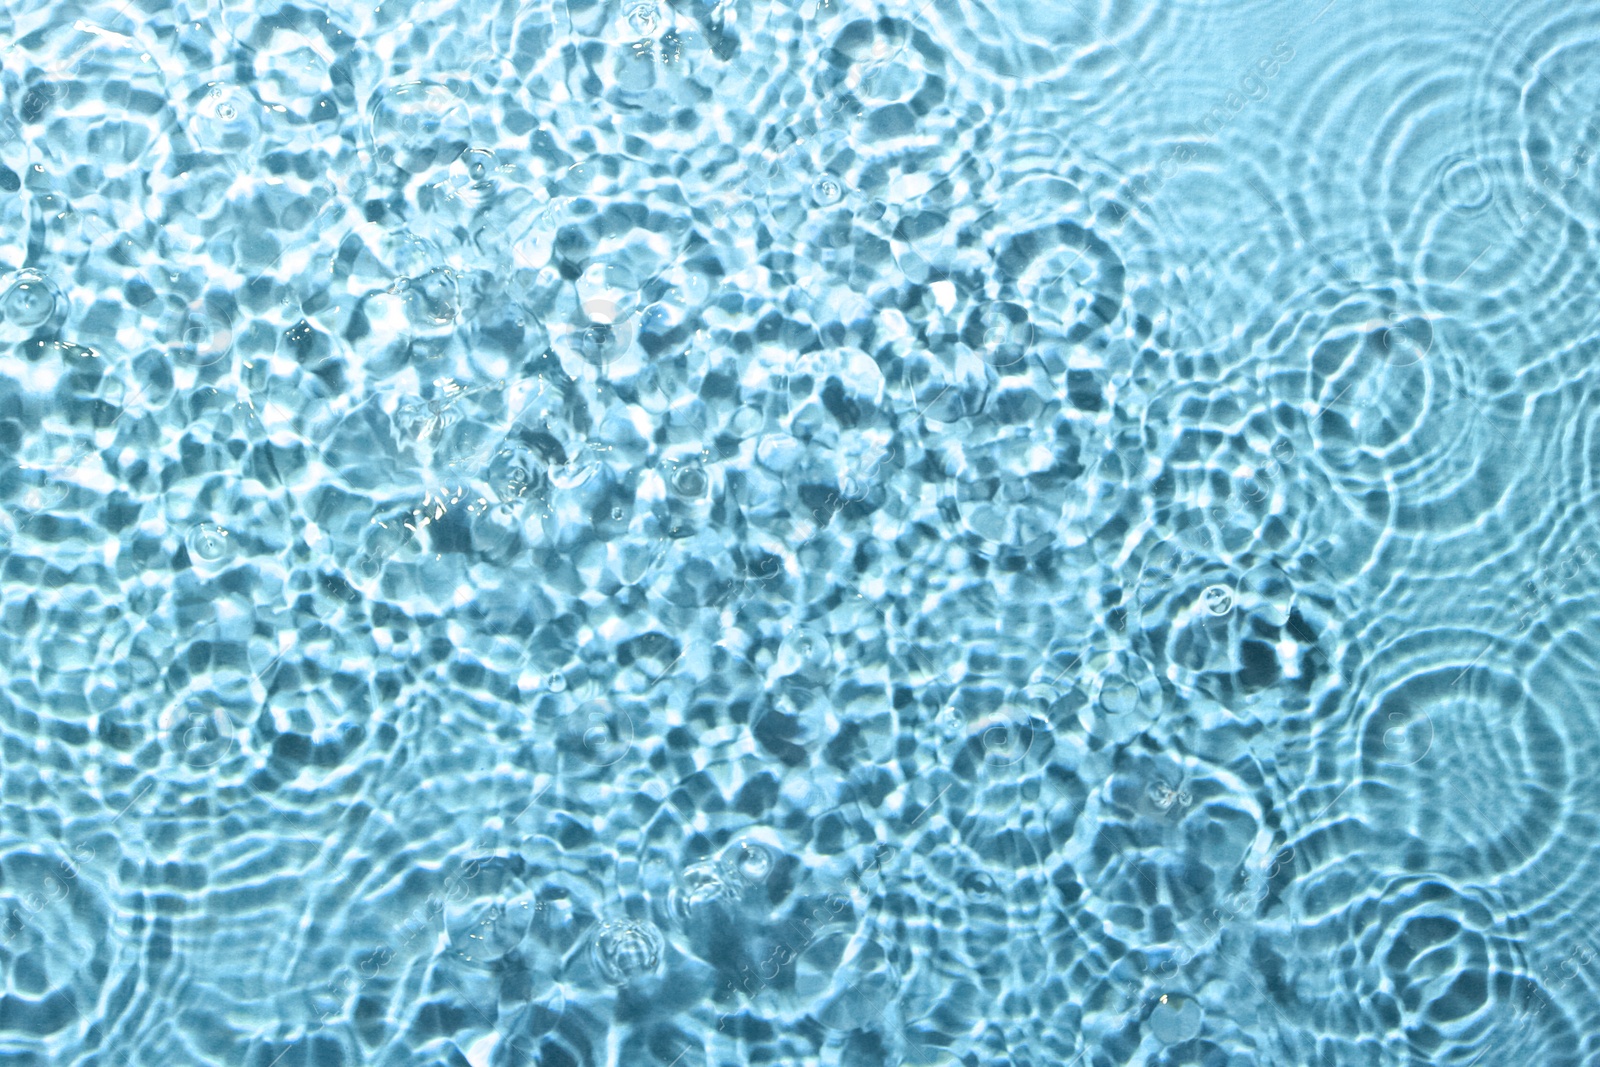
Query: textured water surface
[698, 534]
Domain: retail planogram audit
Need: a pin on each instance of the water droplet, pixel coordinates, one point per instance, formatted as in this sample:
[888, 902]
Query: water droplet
[700, 900]
[1218, 599]
[197, 335]
[1118, 697]
[643, 19]
[690, 481]
[1176, 1018]
[616, 514]
[1004, 334]
[480, 163]
[1405, 341]
[627, 949]
[598, 733]
[979, 885]
[1466, 185]
[29, 302]
[223, 122]
[601, 344]
[749, 862]
[514, 472]
[209, 542]
[827, 192]
[558, 683]
[805, 648]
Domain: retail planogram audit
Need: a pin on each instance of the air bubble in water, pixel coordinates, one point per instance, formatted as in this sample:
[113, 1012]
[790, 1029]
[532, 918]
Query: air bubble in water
[826, 192]
[1175, 1019]
[1218, 599]
[644, 19]
[197, 335]
[979, 885]
[749, 862]
[515, 472]
[690, 482]
[602, 343]
[627, 949]
[29, 302]
[209, 543]
[702, 885]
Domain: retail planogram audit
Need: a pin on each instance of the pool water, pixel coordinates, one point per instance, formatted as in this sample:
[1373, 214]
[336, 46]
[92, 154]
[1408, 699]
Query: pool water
[955, 532]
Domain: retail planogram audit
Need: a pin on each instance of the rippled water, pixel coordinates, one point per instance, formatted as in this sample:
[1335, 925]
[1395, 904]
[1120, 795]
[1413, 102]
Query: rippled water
[705, 534]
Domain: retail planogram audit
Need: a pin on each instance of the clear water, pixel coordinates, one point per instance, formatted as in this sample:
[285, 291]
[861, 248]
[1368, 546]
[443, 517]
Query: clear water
[974, 532]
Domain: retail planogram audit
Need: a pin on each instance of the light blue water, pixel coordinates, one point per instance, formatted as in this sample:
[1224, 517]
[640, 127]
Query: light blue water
[959, 533]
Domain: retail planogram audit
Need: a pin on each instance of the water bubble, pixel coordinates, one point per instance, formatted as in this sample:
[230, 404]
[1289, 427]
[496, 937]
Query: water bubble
[1466, 185]
[1118, 695]
[1404, 734]
[1176, 1018]
[599, 733]
[602, 344]
[826, 191]
[484, 930]
[805, 651]
[627, 949]
[690, 481]
[30, 302]
[197, 334]
[1005, 739]
[209, 543]
[1003, 735]
[702, 888]
[479, 163]
[1405, 341]
[749, 861]
[224, 121]
[1001, 334]
[979, 885]
[200, 732]
[1218, 599]
[644, 19]
[514, 472]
